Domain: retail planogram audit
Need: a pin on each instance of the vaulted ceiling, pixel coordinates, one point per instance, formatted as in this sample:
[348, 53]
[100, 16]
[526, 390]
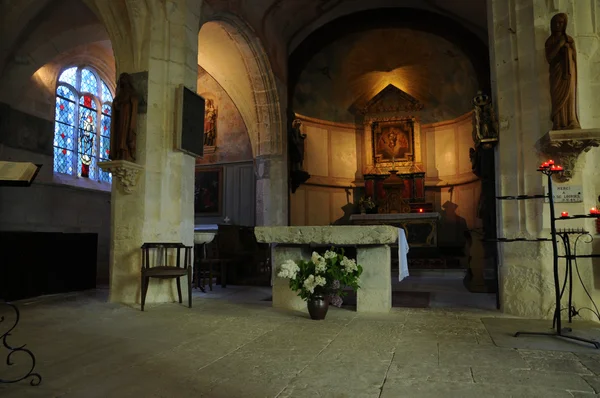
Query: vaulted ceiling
[283, 25]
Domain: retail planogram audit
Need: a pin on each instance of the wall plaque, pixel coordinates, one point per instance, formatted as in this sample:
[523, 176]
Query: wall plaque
[566, 193]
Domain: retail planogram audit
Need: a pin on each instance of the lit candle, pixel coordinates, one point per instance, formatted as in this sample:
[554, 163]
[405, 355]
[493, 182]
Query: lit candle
[551, 162]
[559, 168]
[564, 214]
[420, 210]
[545, 165]
[593, 210]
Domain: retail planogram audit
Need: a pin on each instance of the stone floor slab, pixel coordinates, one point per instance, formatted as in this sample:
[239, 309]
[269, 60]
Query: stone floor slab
[232, 344]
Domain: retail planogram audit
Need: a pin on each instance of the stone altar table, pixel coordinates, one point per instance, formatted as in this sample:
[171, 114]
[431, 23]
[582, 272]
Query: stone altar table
[420, 228]
[373, 253]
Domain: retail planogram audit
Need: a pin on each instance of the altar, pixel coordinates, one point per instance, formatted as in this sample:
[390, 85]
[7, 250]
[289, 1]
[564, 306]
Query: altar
[420, 228]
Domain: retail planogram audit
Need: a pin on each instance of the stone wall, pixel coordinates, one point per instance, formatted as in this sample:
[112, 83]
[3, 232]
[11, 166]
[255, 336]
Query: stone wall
[347, 73]
[54, 202]
[521, 93]
[232, 143]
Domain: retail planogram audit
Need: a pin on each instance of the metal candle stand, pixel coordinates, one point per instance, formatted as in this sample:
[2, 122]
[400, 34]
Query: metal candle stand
[549, 169]
[36, 379]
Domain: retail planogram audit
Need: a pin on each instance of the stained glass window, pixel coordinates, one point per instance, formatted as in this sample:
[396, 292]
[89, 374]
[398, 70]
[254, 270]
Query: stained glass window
[82, 124]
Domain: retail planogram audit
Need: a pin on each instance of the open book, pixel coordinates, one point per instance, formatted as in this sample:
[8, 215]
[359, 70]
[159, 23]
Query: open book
[17, 173]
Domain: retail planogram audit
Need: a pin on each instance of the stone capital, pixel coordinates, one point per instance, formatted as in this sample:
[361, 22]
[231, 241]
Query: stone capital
[126, 173]
[565, 147]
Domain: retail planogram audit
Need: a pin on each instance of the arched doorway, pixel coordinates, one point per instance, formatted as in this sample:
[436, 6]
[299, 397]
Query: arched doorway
[364, 70]
[235, 59]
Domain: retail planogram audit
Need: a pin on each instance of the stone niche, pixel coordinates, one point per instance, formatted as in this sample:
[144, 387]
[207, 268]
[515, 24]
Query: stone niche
[392, 132]
[565, 147]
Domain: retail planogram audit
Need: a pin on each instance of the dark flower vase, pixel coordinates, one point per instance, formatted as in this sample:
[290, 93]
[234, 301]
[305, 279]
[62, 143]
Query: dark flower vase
[317, 307]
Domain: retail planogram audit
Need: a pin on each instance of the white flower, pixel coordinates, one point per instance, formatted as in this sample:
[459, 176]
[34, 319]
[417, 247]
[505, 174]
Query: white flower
[316, 258]
[320, 281]
[319, 262]
[313, 281]
[310, 283]
[348, 264]
[289, 269]
[330, 254]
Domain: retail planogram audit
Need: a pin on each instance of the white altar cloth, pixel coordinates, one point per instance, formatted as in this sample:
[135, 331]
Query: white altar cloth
[402, 255]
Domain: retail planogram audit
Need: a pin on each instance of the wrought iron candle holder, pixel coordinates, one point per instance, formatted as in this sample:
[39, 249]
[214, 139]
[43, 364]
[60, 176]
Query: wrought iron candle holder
[35, 378]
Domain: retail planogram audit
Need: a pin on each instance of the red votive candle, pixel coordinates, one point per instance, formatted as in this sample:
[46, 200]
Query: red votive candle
[564, 214]
[593, 210]
[420, 210]
[551, 162]
[559, 168]
[545, 164]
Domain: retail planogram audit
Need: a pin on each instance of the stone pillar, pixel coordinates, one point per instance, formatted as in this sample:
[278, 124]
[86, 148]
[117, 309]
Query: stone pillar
[271, 190]
[160, 207]
[518, 30]
[375, 293]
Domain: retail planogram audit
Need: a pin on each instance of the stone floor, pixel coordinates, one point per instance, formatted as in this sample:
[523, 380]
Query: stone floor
[232, 344]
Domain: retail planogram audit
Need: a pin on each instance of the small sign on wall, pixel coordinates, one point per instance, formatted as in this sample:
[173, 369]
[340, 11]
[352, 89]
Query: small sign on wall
[567, 193]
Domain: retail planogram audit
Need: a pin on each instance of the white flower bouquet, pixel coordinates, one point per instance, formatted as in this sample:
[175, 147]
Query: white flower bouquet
[322, 276]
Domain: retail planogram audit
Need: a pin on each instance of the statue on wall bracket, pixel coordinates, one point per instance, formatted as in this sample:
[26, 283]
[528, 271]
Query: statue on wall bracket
[567, 140]
[123, 135]
[562, 57]
[485, 123]
[296, 155]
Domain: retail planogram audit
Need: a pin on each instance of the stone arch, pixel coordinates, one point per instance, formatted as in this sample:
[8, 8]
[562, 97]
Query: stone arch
[262, 113]
[264, 121]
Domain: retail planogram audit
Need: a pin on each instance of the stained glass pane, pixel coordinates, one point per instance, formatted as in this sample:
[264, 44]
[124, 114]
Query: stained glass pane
[86, 147]
[106, 95]
[63, 161]
[65, 92]
[65, 111]
[105, 125]
[87, 101]
[89, 83]
[63, 136]
[105, 176]
[87, 166]
[106, 109]
[69, 76]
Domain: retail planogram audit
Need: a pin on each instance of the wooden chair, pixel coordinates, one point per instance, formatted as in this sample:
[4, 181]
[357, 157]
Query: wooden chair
[206, 263]
[161, 268]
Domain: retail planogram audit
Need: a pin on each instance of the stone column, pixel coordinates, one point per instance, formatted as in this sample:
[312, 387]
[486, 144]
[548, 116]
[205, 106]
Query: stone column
[271, 190]
[375, 293]
[518, 30]
[160, 206]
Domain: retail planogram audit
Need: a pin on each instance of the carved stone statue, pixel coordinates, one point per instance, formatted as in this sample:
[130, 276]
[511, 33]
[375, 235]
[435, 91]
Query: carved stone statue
[124, 120]
[296, 155]
[485, 123]
[562, 57]
[297, 145]
[210, 123]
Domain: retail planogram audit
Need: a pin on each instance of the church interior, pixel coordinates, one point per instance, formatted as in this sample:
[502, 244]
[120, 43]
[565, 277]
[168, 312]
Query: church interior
[321, 123]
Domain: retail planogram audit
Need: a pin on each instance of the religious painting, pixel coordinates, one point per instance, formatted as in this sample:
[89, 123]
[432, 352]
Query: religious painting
[208, 193]
[393, 141]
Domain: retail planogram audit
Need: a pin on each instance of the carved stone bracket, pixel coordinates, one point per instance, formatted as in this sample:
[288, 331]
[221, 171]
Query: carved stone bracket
[127, 173]
[565, 147]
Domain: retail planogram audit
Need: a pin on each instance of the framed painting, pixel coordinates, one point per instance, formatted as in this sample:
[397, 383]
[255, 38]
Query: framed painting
[208, 193]
[393, 140]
